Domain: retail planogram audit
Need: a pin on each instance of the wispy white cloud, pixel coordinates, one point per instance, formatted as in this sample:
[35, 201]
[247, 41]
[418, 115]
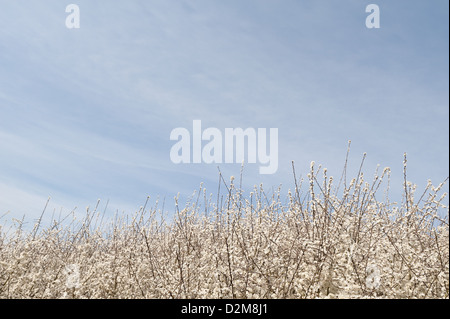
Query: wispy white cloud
[87, 113]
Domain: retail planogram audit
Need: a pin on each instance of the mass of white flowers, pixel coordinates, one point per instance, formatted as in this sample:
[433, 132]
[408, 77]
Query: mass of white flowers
[319, 244]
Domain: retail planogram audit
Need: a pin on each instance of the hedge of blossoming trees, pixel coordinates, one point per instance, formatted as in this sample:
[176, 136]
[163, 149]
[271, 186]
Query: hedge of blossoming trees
[324, 239]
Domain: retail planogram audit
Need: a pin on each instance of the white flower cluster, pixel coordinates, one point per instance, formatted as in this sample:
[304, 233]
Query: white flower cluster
[348, 246]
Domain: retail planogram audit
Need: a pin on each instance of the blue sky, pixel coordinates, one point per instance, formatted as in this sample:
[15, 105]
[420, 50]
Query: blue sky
[86, 114]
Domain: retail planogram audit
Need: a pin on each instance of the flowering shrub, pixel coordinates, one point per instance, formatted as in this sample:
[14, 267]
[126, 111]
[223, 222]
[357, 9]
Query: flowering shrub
[314, 245]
